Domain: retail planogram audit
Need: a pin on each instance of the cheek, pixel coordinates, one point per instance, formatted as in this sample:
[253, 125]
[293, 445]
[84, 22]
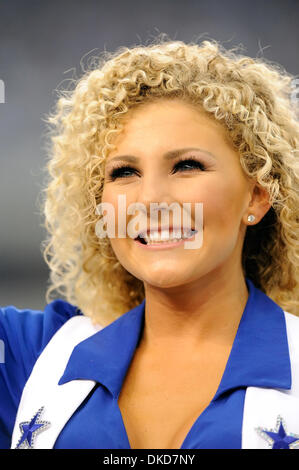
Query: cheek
[108, 195]
[125, 256]
[119, 248]
[111, 197]
[118, 201]
[222, 201]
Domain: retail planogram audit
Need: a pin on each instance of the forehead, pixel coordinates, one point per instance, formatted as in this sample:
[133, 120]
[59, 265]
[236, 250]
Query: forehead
[163, 117]
[169, 110]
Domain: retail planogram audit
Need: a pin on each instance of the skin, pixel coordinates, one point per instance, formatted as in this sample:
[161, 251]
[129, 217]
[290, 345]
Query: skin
[195, 289]
[194, 298]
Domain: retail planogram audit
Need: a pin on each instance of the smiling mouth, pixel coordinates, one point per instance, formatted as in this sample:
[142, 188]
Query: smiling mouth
[157, 240]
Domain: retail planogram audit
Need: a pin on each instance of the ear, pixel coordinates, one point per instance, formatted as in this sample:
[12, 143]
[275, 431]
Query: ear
[259, 204]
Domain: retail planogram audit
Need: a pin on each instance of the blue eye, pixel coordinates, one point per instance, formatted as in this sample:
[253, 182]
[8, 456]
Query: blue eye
[191, 163]
[121, 172]
[187, 164]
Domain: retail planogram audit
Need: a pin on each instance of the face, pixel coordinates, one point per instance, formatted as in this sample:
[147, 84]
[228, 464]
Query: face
[211, 175]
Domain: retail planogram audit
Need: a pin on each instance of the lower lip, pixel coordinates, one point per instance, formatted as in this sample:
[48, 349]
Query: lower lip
[164, 245]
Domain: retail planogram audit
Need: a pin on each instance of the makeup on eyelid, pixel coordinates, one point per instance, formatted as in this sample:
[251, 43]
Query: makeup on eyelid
[197, 165]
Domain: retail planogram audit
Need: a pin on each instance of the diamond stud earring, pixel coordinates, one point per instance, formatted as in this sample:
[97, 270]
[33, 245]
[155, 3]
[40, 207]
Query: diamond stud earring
[251, 218]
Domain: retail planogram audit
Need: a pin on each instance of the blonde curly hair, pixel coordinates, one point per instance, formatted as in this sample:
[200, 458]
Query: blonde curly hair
[251, 97]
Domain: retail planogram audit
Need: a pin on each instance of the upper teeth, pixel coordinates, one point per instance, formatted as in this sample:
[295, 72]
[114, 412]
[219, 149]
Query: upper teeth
[164, 235]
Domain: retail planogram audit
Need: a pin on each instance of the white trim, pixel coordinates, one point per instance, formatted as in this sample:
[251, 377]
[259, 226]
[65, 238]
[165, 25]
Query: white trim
[42, 389]
[262, 406]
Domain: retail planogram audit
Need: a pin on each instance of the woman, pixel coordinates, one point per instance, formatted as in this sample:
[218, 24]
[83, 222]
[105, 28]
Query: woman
[156, 345]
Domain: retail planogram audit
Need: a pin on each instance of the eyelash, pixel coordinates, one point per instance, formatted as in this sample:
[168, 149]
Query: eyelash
[116, 172]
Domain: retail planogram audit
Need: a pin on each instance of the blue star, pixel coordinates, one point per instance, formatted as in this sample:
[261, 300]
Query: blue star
[279, 439]
[30, 429]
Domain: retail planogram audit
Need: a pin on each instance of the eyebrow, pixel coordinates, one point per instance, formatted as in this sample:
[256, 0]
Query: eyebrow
[170, 155]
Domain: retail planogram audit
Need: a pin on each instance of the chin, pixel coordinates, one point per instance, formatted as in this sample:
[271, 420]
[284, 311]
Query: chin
[165, 279]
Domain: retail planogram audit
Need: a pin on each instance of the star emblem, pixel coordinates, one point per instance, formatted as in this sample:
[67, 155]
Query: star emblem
[29, 429]
[278, 438]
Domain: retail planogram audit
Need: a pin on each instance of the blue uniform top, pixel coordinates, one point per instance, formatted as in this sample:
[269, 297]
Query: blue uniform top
[259, 357]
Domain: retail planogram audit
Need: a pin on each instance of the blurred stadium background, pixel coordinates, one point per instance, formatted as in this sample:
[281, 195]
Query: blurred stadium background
[45, 42]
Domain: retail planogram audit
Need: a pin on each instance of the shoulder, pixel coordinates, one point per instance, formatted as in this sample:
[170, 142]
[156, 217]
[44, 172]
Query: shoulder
[291, 317]
[24, 334]
[27, 331]
[292, 326]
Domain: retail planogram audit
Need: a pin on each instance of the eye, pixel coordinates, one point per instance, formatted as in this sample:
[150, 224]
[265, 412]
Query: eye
[184, 164]
[121, 172]
[189, 164]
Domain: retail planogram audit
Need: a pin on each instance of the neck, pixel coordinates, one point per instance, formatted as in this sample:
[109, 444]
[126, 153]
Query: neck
[204, 312]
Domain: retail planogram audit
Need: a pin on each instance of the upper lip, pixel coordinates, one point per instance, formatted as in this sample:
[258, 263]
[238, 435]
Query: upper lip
[160, 229]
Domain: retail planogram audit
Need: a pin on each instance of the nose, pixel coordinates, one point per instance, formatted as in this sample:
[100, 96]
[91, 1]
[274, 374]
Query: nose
[155, 196]
[154, 189]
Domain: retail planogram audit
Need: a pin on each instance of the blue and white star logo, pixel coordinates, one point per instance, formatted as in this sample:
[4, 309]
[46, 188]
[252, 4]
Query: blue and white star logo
[278, 438]
[29, 429]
